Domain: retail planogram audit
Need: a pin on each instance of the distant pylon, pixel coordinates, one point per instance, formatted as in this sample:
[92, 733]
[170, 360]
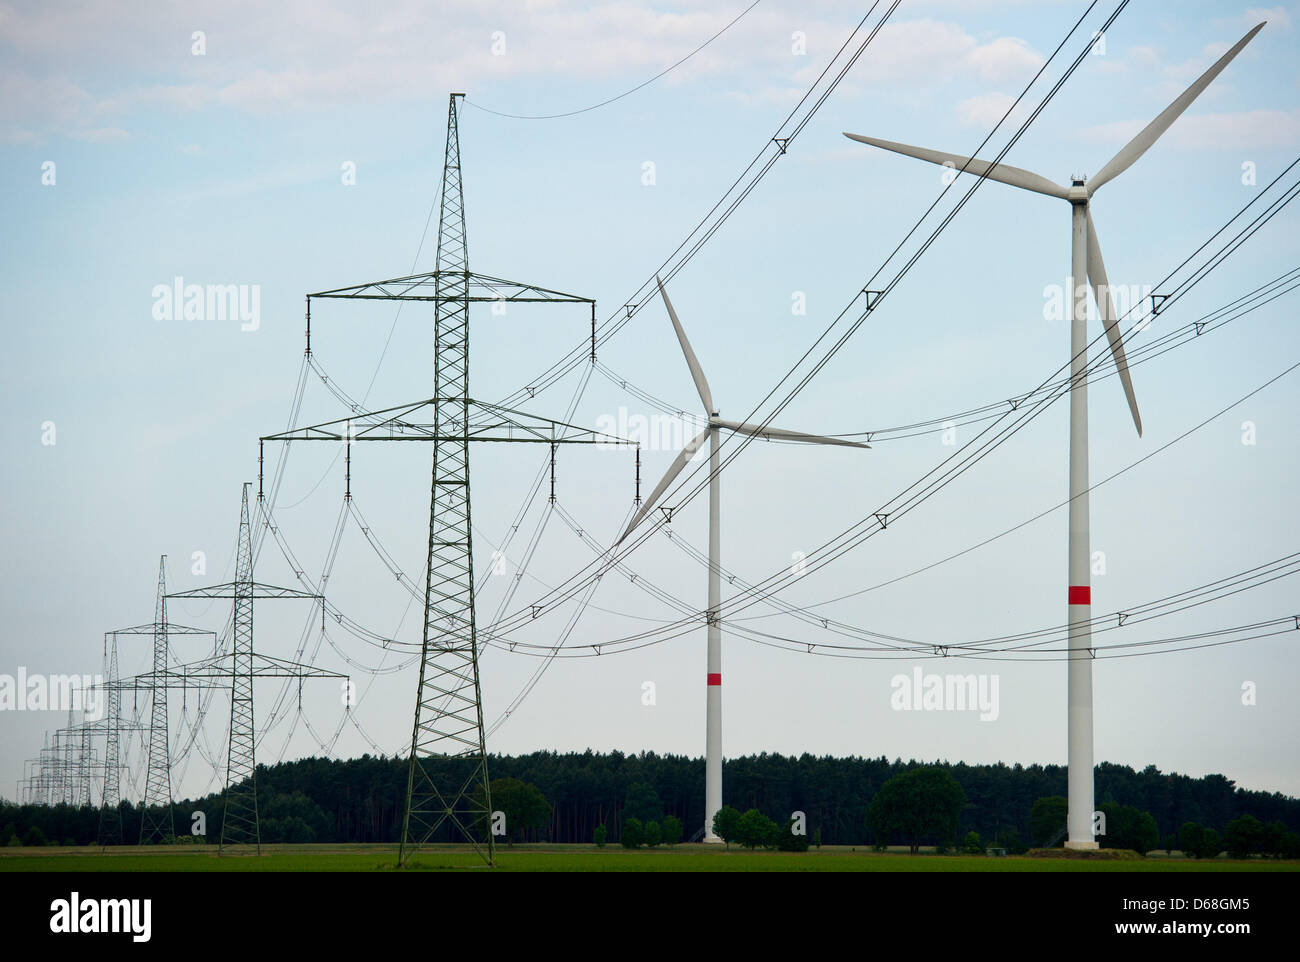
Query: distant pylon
[110, 812]
[156, 820]
[157, 824]
[67, 787]
[85, 766]
[239, 822]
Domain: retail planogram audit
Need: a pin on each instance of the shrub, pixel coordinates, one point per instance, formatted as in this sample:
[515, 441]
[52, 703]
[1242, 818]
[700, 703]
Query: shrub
[633, 833]
[788, 841]
[672, 830]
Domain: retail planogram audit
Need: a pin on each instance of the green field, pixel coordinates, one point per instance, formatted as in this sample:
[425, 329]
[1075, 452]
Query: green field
[579, 858]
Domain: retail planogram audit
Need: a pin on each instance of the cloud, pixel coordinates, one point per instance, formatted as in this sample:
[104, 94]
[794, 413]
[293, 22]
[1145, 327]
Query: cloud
[1277, 18]
[1231, 131]
[925, 52]
[985, 110]
[86, 72]
[101, 135]
[1007, 58]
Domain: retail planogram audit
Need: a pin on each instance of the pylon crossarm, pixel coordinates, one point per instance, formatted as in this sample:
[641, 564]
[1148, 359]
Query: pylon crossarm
[430, 287]
[257, 590]
[510, 417]
[152, 627]
[219, 670]
[361, 425]
[500, 424]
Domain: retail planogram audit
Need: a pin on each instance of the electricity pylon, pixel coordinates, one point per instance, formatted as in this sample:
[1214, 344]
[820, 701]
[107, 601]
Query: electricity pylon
[156, 820]
[158, 777]
[447, 781]
[239, 823]
[76, 762]
[110, 811]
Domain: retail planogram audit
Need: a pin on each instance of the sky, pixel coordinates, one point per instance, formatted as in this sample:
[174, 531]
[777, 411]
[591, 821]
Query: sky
[300, 150]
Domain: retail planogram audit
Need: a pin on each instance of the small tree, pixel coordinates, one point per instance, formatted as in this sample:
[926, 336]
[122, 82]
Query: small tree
[915, 804]
[599, 835]
[725, 823]
[1129, 827]
[1010, 839]
[754, 829]
[633, 833]
[1274, 832]
[817, 836]
[523, 803]
[672, 830]
[1279, 841]
[1244, 836]
[972, 843]
[1046, 819]
[788, 841]
[1196, 841]
[652, 835]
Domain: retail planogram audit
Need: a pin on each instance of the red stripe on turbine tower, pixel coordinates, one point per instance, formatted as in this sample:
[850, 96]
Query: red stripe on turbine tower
[1080, 595]
[715, 678]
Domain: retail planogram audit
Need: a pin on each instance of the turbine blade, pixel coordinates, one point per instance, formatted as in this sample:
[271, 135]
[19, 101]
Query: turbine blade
[683, 458]
[1005, 173]
[781, 434]
[1106, 308]
[692, 362]
[1138, 146]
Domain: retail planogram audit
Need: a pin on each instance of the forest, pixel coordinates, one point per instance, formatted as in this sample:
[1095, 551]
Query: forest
[361, 799]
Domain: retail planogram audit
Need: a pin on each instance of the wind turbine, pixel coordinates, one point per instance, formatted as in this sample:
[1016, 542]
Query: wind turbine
[1085, 259]
[716, 425]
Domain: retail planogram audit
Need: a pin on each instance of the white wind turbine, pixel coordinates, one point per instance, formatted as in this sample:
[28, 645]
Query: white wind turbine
[713, 729]
[1085, 260]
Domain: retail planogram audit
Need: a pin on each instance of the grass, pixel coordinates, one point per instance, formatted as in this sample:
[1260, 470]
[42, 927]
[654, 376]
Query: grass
[579, 858]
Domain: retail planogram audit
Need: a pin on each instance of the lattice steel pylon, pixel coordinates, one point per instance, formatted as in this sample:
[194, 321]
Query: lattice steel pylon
[239, 822]
[447, 781]
[110, 811]
[158, 823]
[156, 819]
[449, 705]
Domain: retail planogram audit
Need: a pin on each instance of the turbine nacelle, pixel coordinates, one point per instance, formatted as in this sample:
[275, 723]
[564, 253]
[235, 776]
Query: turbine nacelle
[715, 424]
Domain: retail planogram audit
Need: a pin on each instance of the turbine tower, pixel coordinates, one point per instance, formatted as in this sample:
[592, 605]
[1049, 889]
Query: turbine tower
[1085, 261]
[713, 618]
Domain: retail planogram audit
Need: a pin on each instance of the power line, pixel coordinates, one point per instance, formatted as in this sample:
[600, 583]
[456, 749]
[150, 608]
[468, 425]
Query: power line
[626, 93]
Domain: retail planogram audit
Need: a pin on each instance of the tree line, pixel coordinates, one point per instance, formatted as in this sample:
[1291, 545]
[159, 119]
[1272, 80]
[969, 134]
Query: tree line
[361, 799]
